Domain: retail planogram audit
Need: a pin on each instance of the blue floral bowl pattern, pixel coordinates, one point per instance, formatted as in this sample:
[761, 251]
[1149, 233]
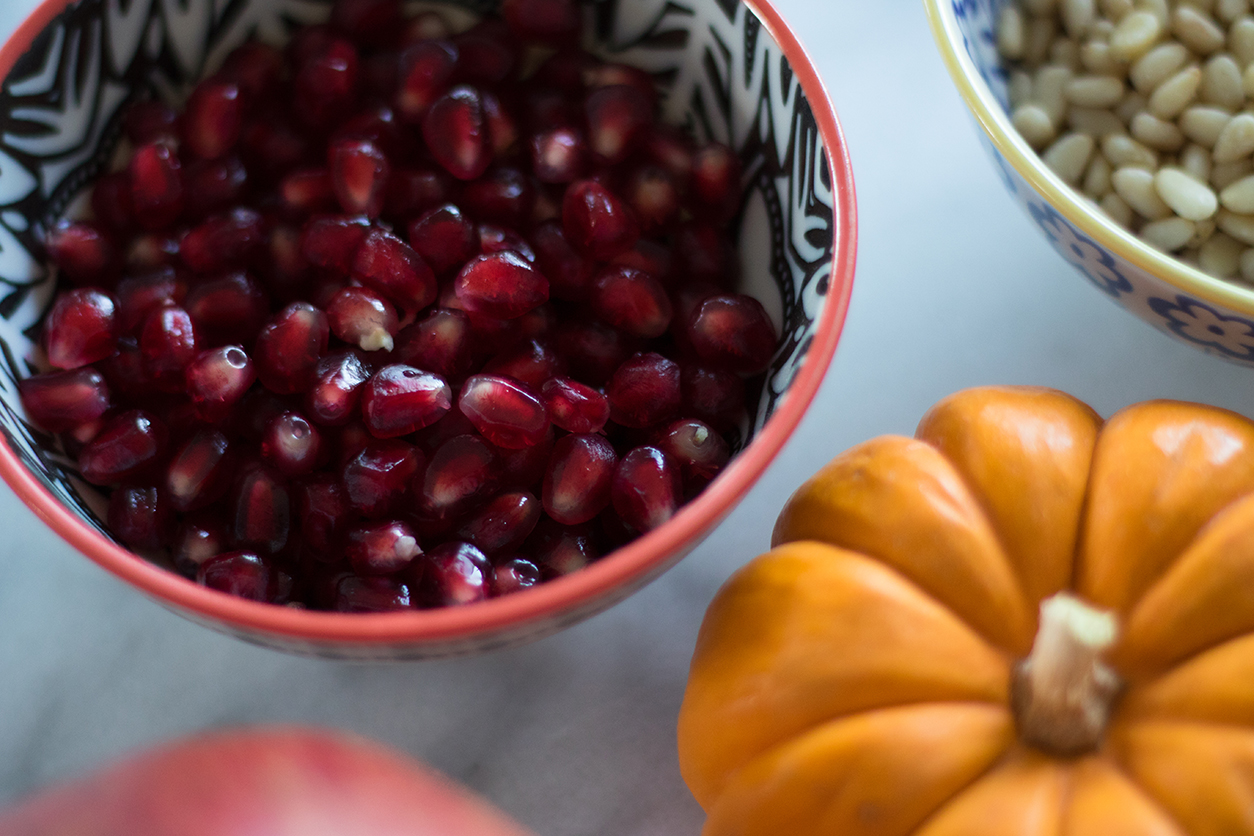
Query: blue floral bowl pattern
[1214, 315]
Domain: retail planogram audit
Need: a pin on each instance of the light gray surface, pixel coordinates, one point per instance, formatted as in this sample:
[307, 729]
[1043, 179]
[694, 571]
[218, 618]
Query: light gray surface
[574, 735]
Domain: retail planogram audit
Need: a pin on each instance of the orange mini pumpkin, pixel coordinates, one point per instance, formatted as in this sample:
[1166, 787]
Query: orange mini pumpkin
[1023, 622]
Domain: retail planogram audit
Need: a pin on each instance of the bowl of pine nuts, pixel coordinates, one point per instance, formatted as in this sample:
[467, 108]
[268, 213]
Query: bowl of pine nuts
[1125, 129]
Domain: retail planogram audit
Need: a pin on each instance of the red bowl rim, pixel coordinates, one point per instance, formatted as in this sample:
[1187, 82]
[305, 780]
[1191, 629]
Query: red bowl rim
[499, 615]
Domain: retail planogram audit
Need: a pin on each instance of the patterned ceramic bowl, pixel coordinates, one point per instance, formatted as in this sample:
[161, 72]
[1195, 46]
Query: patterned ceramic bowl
[731, 71]
[1212, 314]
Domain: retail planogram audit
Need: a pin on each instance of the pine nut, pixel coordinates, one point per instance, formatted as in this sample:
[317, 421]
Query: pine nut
[1096, 123]
[1124, 152]
[1040, 8]
[1099, 91]
[1204, 124]
[1034, 125]
[1167, 235]
[1196, 161]
[1197, 30]
[1176, 93]
[1010, 32]
[1101, 30]
[1049, 91]
[1068, 156]
[1222, 83]
[1229, 10]
[1220, 255]
[1065, 53]
[1134, 35]
[1223, 175]
[1158, 8]
[1019, 88]
[1158, 65]
[1040, 35]
[1097, 178]
[1156, 133]
[1240, 227]
[1096, 57]
[1115, 9]
[1116, 209]
[1239, 196]
[1132, 104]
[1077, 16]
[1247, 265]
[1202, 232]
[1241, 40]
[1188, 198]
[1136, 187]
[1236, 140]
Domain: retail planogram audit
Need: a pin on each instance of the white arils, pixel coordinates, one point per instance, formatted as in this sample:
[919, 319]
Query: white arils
[1135, 33]
[1221, 82]
[1034, 125]
[1196, 30]
[1238, 196]
[1168, 235]
[1010, 33]
[1176, 93]
[1220, 255]
[1095, 91]
[1157, 65]
[1069, 156]
[1136, 187]
[1236, 140]
[1187, 197]
[1203, 124]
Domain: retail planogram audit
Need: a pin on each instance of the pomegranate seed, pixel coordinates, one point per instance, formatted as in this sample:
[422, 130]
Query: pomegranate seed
[363, 318]
[242, 574]
[551, 22]
[167, 344]
[644, 390]
[306, 191]
[438, 343]
[373, 22]
[128, 446]
[503, 524]
[714, 396]
[82, 252]
[332, 241]
[565, 70]
[353, 438]
[292, 445]
[378, 126]
[197, 540]
[381, 548]
[631, 301]
[456, 133]
[546, 109]
[138, 296]
[412, 191]
[308, 42]
[646, 489]
[326, 84]
[388, 265]
[289, 346]
[337, 389]
[498, 239]
[256, 409]
[124, 371]
[507, 413]
[376, 479]
[60, 401]
[256, 68]
[359, 176]
[223, 242]
[575, 407]
[559, 155]
[150, 121]
[697, 448]
[150, 251]
[355, 594]
[503, 195]
[400, 399]
[531, 362]
[488, 53]
[111, 201]
[618, 117]
[524, 467]
[703, 253]
[455, 574]
[140, 518]
[426, 26]
[598, 75]
[443, 237]
[560, 550]
[670, 148]
[324, 515]
[715, 184]
[501, 285]
[80, 328]
[502, 127]
[592, 349]
[426, 73]
[652, 193]
[211, 119]
[649, 257]
[199, 472]
[228, 309]
[462, 472]
[156, 186]
[568, 272]
[271, 146]
[577, 484]
[733, 332]
[261, 511]
[514, 575]
[596, 222]
[214, 185]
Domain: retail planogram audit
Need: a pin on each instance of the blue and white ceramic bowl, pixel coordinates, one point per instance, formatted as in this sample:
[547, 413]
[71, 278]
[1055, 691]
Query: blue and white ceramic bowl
[1212, 314]
[730, 70]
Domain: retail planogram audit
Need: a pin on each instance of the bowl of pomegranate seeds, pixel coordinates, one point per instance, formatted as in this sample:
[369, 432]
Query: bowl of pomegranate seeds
[370, 331]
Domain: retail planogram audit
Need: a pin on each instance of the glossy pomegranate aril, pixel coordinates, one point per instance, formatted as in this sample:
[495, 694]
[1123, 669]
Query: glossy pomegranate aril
[500, 526]
[60, 401]
[551, 22]
[242, 574]
[704, 253]
[412, 191]
[80, 328]
[149, 120]
[82, 252]
[359, 176]
[199, 472]
[377, 478]
[381, 548]
[129, 446]
[455, 573]
[227, 309]
[271, 146]
[333, 399]
[503, 195]
[714, 190]
[257, 69]
[426, 72]
[400, 399]
[152, 250]
[559, 549]
[199, 538]
[525, 466]
[508, 413]
[618, 116]
[212, 118]
[461, 472]
[531, 362]
[261, 511]
[439, 343]
[124, 370]
[488, 53]
[363, 318]
[456, 132]
[502, 285]
[140, 518]
[514, 575]
[644, 390]
[292, 445]
[156, 185]
[388, 265]
[568, 272]
[714, 396]
[331, 241]
[139, 295]
[214, 186]
[223, 242]
[596, 222]
[577, 484]
[306, 191]
[326, 84]
[111, 202]
[373, 22]
[289, 346]
[698, 449]
[733, 332]
[632, 301]
[325, 515]
[167, 344]
[559, 155]
[575, 407]
[646, 489]
[444, 237]
[355, 594]
[592, 349]
[652, 193]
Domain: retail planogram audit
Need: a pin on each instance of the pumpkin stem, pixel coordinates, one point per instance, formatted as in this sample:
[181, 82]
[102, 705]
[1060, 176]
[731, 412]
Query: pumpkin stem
[1063, 692]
